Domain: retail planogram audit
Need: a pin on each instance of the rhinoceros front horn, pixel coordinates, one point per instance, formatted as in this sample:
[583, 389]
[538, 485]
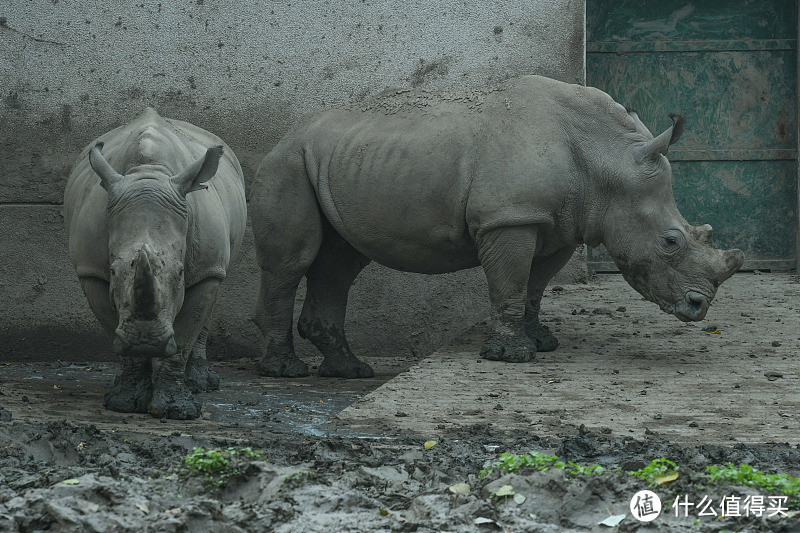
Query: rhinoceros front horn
[108, 176]
[145, 305]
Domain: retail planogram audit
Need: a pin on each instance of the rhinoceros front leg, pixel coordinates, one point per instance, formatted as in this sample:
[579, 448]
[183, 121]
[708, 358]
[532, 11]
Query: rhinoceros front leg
[322, 320]
[506, 255]
[200, 377]
[542, 271]
[172, 398]
[132, 388]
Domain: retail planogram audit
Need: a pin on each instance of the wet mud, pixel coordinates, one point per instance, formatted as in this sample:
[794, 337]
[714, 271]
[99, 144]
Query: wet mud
[334, 458]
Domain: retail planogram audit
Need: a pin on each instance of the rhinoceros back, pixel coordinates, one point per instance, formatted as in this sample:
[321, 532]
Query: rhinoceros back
[217, 215]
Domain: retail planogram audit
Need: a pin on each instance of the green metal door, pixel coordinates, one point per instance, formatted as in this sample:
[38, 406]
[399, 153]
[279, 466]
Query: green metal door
[731, 67]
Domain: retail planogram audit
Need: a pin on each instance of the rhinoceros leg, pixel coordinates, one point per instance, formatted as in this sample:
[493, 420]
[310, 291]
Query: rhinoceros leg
[506, 255]
[132, 388]
[542, 271]
[322, 320]
[287, 227]
[172, 398]
[200, 377]
[274, 315]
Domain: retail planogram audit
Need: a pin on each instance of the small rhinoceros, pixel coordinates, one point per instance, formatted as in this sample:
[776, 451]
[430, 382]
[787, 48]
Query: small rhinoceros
[512, 178]
[156, 212]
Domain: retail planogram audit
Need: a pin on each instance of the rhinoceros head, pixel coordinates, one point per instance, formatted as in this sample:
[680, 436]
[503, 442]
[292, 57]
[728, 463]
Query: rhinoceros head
[659, 253]
[147, 225]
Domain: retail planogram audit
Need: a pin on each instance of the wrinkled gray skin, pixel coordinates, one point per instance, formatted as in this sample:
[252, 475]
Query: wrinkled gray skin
[156, 212]
[512, 179]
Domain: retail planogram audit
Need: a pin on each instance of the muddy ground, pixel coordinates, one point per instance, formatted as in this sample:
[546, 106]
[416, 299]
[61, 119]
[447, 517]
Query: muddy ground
[628, 385]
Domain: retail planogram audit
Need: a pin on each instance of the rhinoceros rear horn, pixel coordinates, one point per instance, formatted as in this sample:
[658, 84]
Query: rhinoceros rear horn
[108, 176]
[195, 175]
[660, 145]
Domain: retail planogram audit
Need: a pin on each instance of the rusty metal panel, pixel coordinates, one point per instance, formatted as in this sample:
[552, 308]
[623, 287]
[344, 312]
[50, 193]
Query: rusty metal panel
[731, 68]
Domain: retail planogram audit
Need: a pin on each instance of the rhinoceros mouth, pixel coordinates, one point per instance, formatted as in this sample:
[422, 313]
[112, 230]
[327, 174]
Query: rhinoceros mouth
[693, 307]
[146, 345]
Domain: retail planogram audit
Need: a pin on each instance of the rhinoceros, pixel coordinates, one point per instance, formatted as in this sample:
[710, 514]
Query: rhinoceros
[511, 178]
[156, 212]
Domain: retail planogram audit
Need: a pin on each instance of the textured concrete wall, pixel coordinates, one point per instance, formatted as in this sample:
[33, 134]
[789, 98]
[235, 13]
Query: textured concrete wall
[244, 70]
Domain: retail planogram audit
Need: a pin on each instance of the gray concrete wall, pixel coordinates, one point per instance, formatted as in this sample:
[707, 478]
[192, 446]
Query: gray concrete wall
[245, 70]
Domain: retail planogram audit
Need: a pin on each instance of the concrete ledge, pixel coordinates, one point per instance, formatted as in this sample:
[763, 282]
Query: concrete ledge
[623, 368]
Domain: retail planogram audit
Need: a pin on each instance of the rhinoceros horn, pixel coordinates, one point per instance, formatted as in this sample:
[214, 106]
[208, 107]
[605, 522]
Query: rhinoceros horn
[193, 177]
[659, 146]
[144, 289]
[108, 176]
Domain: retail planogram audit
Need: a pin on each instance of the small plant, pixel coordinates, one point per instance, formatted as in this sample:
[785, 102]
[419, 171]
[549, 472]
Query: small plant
[539, 461]
[216, 464]
[657, 468]
[299, 477]
[752, 477]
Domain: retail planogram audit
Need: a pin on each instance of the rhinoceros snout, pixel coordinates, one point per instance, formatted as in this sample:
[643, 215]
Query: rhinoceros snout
[146, 348]
[693, 307]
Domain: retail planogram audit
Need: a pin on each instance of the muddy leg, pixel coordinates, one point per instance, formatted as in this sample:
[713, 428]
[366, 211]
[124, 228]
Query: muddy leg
[132, 388]
[322, 319]
[542, 271]
[287, 227]
[200, 377]
[274, 314]
[506, 255]
[171, 396]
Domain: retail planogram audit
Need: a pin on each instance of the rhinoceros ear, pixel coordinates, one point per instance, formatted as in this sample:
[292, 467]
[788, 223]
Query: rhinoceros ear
[640, 127]
[195, 175]
[660, 145]
[108, 176]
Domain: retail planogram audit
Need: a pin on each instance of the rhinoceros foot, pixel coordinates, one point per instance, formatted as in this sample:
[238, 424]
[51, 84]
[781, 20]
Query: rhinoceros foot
[345, 367]
[173, 399]
[131, 391]
[200, 377]
[542, 336]
[512, 349]
[282, 367]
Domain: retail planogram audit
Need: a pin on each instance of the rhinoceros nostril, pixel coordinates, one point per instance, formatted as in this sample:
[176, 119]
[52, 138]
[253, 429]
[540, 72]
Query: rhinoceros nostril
[696, 298]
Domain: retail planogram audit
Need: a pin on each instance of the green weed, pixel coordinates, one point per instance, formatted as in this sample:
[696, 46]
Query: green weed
[656, 468]
[752, 477]
[538, 461]
[216, 464]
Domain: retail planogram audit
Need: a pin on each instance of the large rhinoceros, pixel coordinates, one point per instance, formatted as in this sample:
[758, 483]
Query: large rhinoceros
[511, 178]
[151, 235]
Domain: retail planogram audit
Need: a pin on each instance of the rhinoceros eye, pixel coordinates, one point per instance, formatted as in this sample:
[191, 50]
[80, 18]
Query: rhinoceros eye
[672, 241]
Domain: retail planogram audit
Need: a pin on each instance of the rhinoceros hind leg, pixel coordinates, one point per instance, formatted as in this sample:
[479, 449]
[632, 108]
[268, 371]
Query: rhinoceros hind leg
[274, 313]
[287, 227]
[172, 398]
[322, 320]
[516, 348]
[280, 360]
[542, 271]
[132, 389]
[200, 377]
[541, 335]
